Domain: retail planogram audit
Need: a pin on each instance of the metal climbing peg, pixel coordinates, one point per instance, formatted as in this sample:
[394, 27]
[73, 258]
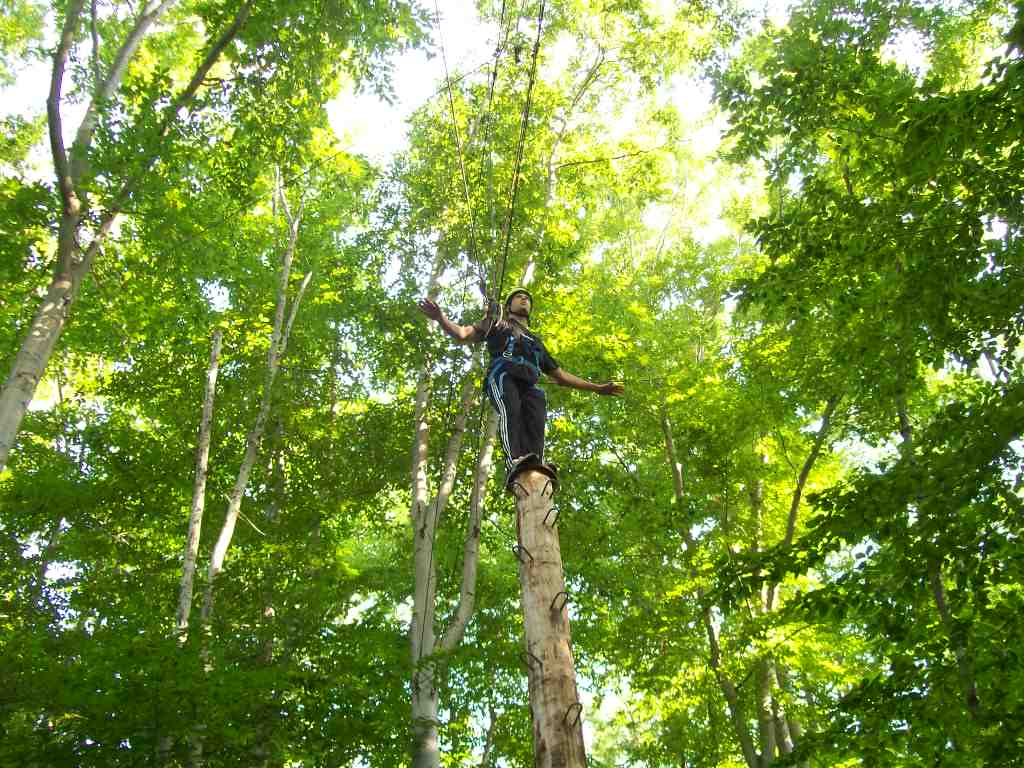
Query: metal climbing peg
[576, 709]
[529, 659]
[553, 519]
[518, 550]
[564, 596]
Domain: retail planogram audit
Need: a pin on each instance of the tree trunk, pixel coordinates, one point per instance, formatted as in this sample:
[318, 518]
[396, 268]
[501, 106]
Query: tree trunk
[188, 569]
[765, 712]
[165, 742]
[279, 335]
[33, 356]
[278, 346]
[426, 752]
[74, 262]
[554, 701]
[725, 684]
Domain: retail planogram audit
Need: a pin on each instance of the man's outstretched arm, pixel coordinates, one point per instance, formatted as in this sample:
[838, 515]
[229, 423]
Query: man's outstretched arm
[462, 334]
[566, 379]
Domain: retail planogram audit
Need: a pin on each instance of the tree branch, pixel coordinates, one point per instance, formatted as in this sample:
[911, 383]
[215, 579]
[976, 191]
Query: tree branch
[54, 120]
[805, 471]
[471, 548]
[180, 102]
[107, 88]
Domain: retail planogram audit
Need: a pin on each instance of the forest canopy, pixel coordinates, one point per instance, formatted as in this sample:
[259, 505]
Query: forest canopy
[252, 506]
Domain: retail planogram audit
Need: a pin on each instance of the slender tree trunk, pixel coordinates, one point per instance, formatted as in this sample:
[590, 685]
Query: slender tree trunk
[195, 522]
[471, 546]
[75, 259]
[33, 355]
[725, 684]
[554, 700]
[790, 724]
[421, 627]
[765, 711]
[165, 742]
[280, 333]
[424, 516]
[426, 751]
[268, 711]
[278, 346]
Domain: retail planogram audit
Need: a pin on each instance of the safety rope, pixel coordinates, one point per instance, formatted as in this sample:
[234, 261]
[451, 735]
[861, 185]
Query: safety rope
[458, 149]
[519, 155]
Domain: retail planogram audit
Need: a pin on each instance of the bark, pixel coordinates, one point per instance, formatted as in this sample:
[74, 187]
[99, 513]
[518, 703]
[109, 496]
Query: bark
[424, 643]
[782, 735]
[73, 261]
[188, 570]
[278, 347]
[805, 471]
[424, 516]
[792, 722]
[728, 689]
[765, 711]
[788, 723]
[471, 548]
[421, 627]
[554, 700]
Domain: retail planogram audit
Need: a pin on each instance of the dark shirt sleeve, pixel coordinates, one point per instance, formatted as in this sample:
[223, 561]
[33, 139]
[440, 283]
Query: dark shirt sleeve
[484, 328]
[548, 364]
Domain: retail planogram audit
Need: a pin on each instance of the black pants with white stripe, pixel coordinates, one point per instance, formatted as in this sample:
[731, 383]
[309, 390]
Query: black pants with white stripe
[522, 410]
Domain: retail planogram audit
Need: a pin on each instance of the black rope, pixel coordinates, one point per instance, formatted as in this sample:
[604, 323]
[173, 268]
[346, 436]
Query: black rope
[458, 147]
[519, 154]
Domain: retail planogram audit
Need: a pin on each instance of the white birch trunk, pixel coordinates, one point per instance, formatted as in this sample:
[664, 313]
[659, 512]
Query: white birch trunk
[74, 262]
[471, 546]
[195, 521]
[426, 751]
[278, 346]
[279, 335]
[424, 514]
[421, 628]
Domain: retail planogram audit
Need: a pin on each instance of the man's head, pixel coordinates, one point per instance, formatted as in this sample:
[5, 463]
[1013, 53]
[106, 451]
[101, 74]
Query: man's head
[519, 302]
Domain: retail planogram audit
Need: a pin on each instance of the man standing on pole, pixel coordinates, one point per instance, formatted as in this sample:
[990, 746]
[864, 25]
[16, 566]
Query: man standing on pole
[517, 358]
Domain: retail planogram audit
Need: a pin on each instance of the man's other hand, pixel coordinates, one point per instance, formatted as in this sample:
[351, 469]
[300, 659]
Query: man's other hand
[610, 388]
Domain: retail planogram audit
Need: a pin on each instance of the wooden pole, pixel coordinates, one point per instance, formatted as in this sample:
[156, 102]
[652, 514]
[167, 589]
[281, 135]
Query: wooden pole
[554, 701]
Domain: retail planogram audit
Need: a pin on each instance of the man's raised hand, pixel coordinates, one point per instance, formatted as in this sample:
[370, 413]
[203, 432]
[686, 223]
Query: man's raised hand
[430, 309]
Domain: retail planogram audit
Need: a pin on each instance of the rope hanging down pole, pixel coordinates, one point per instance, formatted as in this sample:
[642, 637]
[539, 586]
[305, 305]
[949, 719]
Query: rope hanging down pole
[519, 154]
